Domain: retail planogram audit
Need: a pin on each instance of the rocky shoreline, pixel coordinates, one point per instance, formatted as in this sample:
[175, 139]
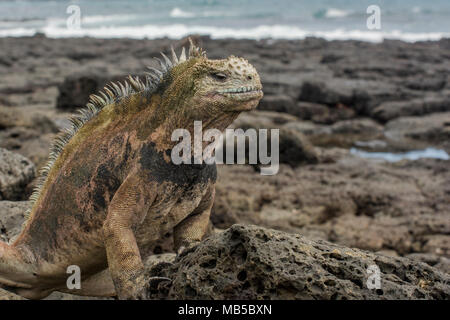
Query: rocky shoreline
[325, 97]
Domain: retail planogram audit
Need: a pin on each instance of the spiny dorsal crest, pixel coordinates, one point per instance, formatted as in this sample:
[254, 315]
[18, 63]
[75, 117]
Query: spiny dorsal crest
[154, 76]
[112, 93]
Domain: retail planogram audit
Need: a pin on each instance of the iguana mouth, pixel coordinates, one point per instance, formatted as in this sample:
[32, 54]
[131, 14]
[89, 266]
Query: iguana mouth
[239, 90]
[242, 93]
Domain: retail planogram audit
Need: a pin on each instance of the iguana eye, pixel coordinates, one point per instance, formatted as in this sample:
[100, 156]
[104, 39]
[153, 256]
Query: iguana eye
[219, 76]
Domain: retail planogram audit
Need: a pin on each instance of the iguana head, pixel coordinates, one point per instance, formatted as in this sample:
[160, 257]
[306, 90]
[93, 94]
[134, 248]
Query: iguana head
[227, 85]
[201, 89]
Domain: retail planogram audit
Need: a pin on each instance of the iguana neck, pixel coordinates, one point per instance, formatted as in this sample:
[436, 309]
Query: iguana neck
[163, 134]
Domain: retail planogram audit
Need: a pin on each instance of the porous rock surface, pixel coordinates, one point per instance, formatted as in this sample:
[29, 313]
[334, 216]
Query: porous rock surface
[16, 172]
[251, 262]
[12, 216]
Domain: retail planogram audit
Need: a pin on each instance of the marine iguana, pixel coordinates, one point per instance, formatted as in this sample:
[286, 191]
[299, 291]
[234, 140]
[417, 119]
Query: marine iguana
[110, 190]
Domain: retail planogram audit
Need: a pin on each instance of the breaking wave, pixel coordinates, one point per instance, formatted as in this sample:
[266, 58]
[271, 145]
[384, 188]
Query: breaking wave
[178, 13]
[177, 31]
[332, 13]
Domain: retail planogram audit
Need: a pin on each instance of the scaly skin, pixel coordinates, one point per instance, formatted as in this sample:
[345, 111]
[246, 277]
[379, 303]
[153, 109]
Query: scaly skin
[112, 190]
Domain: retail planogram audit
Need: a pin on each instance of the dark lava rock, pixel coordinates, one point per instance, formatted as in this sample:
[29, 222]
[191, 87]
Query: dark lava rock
[417, 107]
[250, 262]
[12, 216]
[433, 128]
[431, 83]
[279, 103]
[295, 148]
[309, 110]
[319, 92]
[16, 172]
[74, 92]
[372, 206]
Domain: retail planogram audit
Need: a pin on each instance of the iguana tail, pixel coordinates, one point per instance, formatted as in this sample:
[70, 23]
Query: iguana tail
[14, 270]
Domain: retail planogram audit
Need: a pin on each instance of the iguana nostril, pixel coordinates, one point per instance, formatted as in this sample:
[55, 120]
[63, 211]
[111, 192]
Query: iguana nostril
[249, 77]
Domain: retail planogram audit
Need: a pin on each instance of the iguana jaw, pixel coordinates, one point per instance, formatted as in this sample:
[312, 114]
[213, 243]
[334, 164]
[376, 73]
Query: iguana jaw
[242, 93]
[239, 90]
[244, 98]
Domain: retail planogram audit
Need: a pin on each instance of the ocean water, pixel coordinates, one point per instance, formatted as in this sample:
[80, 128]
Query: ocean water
[409, 20]
[428, 153]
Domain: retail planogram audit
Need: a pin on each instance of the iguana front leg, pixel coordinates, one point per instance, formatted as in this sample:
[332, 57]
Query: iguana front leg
[193, 228]
[127, 210]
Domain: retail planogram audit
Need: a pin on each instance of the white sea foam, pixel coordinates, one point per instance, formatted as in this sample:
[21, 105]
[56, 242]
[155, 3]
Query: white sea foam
[178, 13]
[109, 18]
[336, 13]
[56, 29]
[17, 32]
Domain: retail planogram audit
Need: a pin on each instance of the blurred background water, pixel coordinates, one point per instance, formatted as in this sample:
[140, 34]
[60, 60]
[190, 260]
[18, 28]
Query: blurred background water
[410, 20]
